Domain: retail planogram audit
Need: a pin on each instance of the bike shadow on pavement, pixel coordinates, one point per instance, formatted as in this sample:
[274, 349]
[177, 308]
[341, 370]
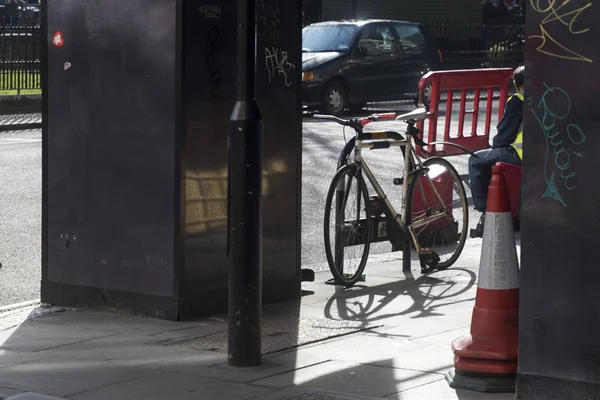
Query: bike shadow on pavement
[422, 297]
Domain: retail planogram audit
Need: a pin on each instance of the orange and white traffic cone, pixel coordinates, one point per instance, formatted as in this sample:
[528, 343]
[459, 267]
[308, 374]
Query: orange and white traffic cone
[486, 359]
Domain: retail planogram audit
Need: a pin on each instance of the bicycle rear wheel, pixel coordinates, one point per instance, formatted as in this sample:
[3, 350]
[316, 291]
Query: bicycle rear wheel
[347, 225]
[440, 215]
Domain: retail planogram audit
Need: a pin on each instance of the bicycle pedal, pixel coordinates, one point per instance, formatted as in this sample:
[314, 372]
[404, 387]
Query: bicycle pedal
[476, 233]
[398, 181]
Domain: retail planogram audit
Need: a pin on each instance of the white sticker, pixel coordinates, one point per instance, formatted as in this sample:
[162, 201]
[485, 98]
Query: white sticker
[67, 65]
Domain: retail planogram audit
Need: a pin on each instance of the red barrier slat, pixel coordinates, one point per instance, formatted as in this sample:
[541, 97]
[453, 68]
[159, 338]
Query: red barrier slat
[449, 99]
[461, 113]
[488, 111]
[475, 111]
[463, 81]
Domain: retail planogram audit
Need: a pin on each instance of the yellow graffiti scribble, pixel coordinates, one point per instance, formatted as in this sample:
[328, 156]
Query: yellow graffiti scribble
[554, 14]
[545, 36]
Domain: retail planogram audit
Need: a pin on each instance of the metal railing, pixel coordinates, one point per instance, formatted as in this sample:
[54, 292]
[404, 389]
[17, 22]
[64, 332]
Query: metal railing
[20, 53]
[473, 45]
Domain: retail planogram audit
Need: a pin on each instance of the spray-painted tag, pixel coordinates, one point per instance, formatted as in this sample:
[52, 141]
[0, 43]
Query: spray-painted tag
[58, 40]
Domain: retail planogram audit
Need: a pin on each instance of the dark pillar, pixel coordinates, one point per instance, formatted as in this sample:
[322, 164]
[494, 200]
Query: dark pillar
[559, 328]
[245, 211]
[137, 112]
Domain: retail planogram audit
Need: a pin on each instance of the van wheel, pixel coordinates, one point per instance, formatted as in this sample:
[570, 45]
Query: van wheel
[334, 98]
[426, 98]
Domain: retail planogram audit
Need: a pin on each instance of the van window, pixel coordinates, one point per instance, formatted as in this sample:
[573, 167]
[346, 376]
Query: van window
[322, 38]
[377, 39]
[411, 38]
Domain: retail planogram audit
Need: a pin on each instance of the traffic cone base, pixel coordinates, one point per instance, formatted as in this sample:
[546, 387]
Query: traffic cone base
[487, 358]
[493, 349]
[486, 366]
[481, 383]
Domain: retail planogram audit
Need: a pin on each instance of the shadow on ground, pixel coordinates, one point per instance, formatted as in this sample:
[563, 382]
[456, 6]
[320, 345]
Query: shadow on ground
[386, 338]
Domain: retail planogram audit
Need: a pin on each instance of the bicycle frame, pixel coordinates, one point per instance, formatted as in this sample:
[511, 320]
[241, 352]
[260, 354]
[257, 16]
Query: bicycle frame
[410, 158]
[412, 165]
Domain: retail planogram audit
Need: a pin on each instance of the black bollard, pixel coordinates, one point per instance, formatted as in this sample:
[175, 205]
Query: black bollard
[245, 210]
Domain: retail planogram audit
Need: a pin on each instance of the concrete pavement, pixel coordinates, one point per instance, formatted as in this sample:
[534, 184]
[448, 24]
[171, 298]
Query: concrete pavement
[388, 338]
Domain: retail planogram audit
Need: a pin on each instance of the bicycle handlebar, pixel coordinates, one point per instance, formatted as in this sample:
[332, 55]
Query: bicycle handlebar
[357, 122]
[412, 131]
[331, 118]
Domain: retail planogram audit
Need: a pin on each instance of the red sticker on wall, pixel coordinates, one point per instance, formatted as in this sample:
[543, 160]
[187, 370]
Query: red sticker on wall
[58, 40]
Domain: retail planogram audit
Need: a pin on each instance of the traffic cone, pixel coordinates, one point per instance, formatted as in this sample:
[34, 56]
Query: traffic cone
[486, 359]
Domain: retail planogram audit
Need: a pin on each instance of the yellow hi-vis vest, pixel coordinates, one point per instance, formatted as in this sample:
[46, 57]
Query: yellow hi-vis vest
[518, 143]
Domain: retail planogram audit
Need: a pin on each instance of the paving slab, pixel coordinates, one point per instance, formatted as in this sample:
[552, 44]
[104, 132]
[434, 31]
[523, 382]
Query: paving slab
[6, 392]
[161, 386]
[359, 348]
[122, 349]
[34, 396]
[352, 378]
[296, 393]
[286, 326]
[111, 322]
[62, 375]
[8, 358]
[214, 365]
[36, 336]
[440, 390]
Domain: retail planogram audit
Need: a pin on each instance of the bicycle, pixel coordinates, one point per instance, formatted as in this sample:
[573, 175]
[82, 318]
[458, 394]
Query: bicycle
[378, 221]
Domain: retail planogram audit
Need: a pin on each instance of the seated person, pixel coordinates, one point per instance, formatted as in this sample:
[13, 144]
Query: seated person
[507, 147]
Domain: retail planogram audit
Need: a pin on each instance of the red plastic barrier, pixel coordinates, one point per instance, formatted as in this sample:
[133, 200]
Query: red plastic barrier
[443, 182]
[462, 80]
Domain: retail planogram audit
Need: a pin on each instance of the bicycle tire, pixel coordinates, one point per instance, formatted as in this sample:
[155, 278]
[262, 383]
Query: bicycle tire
[463, 197]
[340, 278]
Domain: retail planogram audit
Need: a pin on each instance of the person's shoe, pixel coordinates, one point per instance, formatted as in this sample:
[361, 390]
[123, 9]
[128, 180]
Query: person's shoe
[478, 231]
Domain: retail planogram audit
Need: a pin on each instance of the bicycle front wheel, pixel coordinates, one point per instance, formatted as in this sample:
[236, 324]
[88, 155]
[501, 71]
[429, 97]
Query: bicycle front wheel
[347, 225]
[440, 214]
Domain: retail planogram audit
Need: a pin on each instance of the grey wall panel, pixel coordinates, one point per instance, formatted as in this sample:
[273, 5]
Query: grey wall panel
[111, 148]
[559, 325]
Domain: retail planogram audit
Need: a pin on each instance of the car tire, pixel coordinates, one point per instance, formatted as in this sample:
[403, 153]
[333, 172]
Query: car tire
[426, 98]
[334, 98]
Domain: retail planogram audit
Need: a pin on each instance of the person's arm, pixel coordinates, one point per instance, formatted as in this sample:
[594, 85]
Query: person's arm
[509, 124]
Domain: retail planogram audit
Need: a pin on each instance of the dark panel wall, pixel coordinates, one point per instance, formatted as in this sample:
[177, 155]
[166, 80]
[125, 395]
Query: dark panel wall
[279, 94]
[111, 146]
[209, 95]
[209, 49]
[559, 324]
[138, 109]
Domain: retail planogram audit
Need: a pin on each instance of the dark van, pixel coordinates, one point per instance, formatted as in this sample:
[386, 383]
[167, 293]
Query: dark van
[346, 64]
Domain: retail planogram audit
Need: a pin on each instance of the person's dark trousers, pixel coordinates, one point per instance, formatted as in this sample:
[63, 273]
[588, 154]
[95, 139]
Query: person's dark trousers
[480, 171]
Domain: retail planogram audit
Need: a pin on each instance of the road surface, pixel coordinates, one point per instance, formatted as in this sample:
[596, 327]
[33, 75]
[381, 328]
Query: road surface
[20, 216]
